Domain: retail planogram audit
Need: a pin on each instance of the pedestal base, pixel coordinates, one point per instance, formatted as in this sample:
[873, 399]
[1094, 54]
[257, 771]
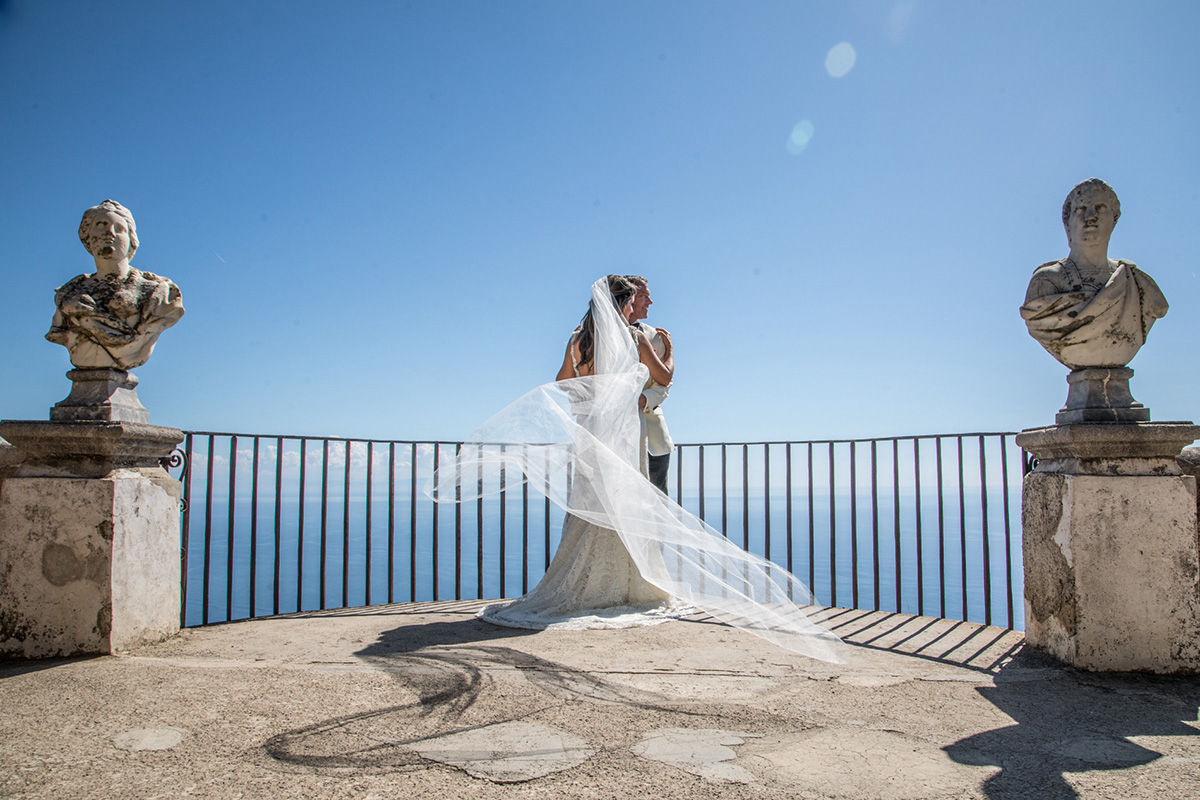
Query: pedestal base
[108, 395]
[1100, 394]
[89, 539]
[1111, 548]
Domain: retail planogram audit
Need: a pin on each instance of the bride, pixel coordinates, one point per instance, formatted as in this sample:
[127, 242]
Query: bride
[629, 555]
[592, 582]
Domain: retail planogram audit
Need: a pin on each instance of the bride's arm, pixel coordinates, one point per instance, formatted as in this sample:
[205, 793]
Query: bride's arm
[660, 372]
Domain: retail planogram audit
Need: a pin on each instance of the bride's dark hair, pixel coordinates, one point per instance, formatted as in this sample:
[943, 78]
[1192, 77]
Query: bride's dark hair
[622, 290]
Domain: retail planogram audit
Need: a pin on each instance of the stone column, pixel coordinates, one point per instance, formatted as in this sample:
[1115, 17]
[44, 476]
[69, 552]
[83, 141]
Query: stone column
[89, 538]
[1111, 549]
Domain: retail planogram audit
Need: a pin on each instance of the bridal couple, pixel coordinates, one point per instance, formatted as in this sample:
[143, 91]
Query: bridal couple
[629, 555]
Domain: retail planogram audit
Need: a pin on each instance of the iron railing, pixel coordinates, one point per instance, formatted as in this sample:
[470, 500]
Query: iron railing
[278, 524]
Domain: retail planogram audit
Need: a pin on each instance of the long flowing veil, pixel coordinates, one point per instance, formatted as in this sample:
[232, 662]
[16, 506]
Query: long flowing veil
[578, 442]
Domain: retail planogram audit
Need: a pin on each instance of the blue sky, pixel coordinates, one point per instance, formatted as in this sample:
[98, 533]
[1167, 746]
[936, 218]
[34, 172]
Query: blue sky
[385, 217]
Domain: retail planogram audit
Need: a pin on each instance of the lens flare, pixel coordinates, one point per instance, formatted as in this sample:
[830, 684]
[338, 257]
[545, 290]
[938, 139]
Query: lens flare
[802, 134]
[840, 59]
[899, 19]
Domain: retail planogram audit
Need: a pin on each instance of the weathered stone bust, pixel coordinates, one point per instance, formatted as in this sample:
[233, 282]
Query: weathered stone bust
[112, 318]
[1088, 310]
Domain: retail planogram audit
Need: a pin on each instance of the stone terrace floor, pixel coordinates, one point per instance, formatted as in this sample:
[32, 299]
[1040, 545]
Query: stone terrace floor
[425, 701]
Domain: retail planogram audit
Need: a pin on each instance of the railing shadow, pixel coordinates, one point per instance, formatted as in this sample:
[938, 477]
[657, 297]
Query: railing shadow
[945, 641]
[1070, 721]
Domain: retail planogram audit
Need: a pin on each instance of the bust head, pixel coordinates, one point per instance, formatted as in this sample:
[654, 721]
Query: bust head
[1087, 310]
[108, 231]
[1090, 212]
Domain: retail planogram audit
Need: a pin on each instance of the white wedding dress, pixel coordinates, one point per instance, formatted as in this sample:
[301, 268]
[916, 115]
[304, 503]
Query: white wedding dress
[629, 555]
[591, 583]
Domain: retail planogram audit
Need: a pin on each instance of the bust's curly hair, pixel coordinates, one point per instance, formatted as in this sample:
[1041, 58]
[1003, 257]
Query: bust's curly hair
[118, 209]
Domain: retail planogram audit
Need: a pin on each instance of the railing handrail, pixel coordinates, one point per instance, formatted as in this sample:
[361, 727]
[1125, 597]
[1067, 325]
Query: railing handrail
[365, 439]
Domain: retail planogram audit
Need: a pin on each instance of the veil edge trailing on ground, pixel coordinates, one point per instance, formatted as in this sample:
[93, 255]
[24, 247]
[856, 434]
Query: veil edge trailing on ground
[578, 442]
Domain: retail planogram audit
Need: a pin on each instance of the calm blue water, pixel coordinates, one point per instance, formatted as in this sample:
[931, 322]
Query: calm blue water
[931, 571]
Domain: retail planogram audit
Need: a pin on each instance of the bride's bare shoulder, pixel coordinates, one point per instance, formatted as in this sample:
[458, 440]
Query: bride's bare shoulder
[570, 367]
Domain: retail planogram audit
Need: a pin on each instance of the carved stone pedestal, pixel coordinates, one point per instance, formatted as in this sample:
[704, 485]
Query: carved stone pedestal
[1100, 394]
[101, 394]
[1112, 560]
[89, 539]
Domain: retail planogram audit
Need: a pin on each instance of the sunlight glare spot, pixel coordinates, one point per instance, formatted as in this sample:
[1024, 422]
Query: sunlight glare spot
[840, 59]
[899, 19]
[802, 134]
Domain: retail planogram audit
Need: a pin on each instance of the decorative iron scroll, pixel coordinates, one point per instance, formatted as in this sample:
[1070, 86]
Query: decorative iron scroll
[174, 460]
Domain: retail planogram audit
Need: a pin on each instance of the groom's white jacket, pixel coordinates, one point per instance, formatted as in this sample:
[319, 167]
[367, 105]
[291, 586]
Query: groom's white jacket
[658, 438]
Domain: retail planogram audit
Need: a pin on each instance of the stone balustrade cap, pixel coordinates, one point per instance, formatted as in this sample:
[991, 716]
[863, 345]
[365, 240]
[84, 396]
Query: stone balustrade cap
[1107, 448]
[87, 448]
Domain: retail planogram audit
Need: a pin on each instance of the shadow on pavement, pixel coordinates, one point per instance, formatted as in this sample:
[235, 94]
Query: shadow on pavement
[441, 669]
[969, 645]
[1071, 721]
[10, 668]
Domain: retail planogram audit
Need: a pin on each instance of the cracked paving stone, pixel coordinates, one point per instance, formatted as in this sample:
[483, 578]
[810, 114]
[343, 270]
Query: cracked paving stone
[862, 762]
[872, 681]
[508, 752]
[702, 752]
[149, 738]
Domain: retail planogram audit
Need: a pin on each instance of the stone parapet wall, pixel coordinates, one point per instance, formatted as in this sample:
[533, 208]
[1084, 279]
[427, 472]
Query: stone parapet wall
[1111, 545]
[89, 538]
[90, 565]
[1112, 570]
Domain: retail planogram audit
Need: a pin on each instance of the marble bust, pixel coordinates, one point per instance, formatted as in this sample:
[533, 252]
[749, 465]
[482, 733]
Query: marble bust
[112, 317]
[1087, 310]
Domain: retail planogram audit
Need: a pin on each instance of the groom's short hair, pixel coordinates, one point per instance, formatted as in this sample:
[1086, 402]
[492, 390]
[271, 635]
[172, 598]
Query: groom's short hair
[638, 281]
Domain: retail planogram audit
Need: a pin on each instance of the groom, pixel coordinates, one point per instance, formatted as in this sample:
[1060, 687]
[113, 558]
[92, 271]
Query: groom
[658, 438]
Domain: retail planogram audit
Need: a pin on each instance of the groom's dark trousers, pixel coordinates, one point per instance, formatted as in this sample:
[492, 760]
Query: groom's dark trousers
[658, 471]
